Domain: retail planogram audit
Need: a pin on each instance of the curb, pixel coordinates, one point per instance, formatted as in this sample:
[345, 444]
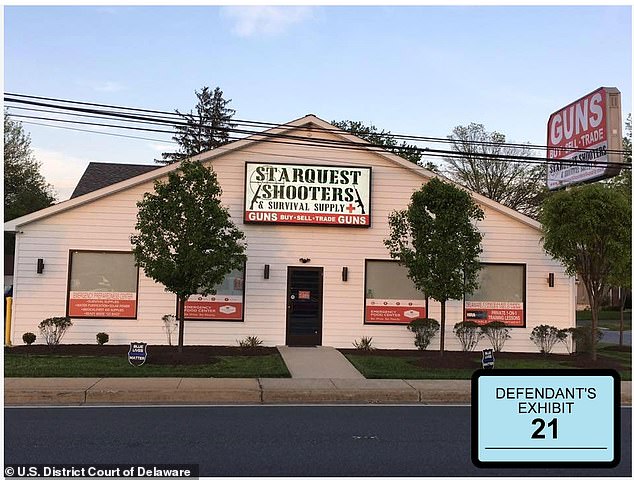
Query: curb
[247, 391]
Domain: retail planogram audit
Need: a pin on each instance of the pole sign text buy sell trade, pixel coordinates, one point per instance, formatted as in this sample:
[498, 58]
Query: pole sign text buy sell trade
[307, 194]
[584, 139]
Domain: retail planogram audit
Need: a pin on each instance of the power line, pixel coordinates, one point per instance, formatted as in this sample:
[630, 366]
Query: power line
[273, 125]
[306, 141]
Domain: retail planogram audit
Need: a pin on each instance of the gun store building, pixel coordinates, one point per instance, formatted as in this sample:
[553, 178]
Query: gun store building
[318, 272]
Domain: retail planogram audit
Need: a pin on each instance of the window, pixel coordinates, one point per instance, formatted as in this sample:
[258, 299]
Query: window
[390, 296]
[102, 284]
[500, 297]
[227, 304]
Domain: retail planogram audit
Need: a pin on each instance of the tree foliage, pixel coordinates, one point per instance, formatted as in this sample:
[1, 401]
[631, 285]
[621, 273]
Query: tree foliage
[385, 139]
[25, 189]
[588, 229]
[517, 185]
[437, 241]
[207, 128]
[186, 239]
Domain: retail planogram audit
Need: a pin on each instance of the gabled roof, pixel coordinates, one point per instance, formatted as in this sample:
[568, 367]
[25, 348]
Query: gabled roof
[101, 174]
[239, 144]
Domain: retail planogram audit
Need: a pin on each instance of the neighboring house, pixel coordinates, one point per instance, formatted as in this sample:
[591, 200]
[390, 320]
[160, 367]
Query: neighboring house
[317, 272]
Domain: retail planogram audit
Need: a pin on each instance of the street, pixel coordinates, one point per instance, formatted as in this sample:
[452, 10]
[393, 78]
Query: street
[268, 440]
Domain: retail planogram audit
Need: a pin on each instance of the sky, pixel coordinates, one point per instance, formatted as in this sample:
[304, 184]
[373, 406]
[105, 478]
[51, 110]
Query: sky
[419, 70]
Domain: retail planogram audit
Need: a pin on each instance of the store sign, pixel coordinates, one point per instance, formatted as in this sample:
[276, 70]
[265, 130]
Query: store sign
[510, 313]
[214, 307]
[379, 310]
[581, 136]
[102, 304]
[307, 195]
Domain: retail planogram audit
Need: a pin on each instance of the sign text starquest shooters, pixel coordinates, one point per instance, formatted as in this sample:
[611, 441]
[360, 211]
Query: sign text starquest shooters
[307, 194]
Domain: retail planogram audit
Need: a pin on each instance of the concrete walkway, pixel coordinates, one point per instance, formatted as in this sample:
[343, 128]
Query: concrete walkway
[317, 362]
[214, 391]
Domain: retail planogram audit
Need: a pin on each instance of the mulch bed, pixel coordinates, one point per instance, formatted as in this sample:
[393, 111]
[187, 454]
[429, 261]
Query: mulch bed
[157, 354]
[469, 360]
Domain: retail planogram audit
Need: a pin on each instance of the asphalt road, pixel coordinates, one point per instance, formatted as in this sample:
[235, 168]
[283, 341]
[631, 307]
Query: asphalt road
[610, 336]
[268, 440]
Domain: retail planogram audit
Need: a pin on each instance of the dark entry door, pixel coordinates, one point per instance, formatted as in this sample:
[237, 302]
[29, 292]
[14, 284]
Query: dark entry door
[303, 306]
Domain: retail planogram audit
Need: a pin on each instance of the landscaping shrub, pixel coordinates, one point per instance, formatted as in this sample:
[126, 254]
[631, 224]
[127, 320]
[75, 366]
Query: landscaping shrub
[54, 329]
[545, 336]
[424, 330]
[468, 333]
[582, 337]
[364, 344]
[28, 338]
[563, 335]
[170, 325]
[250, 341]
[102, 337]
[497, 333]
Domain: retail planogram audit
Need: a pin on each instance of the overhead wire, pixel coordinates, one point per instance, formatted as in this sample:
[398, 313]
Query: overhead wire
[273, 125]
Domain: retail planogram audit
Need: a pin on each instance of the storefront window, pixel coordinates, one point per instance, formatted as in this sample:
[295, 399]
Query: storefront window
[390, 296]
[226, 304]
[102, 284]
[500, 296]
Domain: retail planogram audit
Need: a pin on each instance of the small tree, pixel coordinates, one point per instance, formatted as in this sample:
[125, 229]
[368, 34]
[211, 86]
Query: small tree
[497, 333]
[206, 128]
[589, 230]
[468, 333]
[545, 336]
[424, 330]
[437, 241]
[169, 325]
[54, 328]
[563, 335]
[186, 238]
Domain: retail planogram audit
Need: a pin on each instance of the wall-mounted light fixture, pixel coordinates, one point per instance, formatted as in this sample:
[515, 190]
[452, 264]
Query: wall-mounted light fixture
[266, 271]
[551, 279]
[344, 274]
[40, 265]
[304, 260]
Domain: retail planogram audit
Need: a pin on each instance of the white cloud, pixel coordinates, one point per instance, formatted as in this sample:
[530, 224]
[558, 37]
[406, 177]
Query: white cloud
[108, 86]
[61, 170]
[160, 147]
[265, 20]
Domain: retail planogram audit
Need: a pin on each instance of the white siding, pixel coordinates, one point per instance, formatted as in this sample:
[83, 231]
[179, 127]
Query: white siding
[108, 222]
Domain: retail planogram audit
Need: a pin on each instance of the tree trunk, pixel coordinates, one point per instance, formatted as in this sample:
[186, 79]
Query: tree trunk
[622, 305]
[442, 328]
[594, 305]
[181, 323]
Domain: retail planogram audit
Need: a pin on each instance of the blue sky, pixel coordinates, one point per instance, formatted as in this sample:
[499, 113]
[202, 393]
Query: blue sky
[416, 70]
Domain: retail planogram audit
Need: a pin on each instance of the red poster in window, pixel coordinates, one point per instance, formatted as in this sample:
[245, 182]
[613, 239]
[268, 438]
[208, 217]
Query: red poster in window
[303, 295]
[378, 310]
[510, 313]
[214, 307]
[102, 304]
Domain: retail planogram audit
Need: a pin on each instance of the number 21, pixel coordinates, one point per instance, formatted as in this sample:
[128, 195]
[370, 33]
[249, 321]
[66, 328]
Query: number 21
[537, 433]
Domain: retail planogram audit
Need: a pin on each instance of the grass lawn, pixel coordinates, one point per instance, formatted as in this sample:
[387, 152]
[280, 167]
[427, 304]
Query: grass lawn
[20, 365]
[376, 366]
[607, 319]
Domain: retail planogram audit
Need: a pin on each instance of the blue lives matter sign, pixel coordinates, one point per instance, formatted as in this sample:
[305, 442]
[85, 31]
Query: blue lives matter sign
[555, 418]
[488, 360]
[137, 353]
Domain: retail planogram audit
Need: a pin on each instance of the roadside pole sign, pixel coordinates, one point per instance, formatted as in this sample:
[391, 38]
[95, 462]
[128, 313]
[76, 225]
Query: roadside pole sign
[522, 418]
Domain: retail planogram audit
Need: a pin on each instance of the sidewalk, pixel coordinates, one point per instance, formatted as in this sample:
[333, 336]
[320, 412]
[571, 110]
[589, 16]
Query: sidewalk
[210, 391]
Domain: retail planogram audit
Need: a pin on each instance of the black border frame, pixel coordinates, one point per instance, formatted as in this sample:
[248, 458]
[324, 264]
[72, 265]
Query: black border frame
[464, 296]
[321, 304]
[244, 300]
[244, 196]
[365, 285]
[550, 373]
[68, 279]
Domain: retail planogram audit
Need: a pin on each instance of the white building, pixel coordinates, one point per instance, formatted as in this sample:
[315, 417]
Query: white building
[316, 278]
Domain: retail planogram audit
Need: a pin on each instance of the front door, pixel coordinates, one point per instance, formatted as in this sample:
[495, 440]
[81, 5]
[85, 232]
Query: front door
[304, 306]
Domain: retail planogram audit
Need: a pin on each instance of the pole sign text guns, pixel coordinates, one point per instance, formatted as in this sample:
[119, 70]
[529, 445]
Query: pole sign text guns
[583, 138]
[307, 194]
